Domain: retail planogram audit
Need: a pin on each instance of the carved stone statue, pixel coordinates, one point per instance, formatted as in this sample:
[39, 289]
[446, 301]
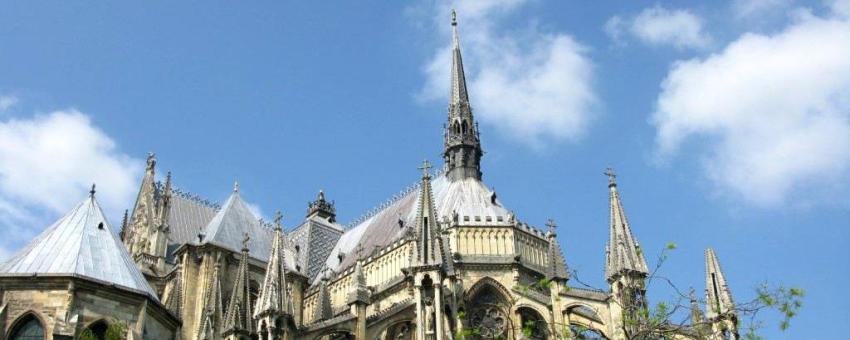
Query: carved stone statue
[429, 316]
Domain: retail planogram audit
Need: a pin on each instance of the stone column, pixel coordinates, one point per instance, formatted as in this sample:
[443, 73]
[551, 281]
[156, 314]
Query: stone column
[359, 311]
[417, 295]
[438, 310]
[557, 322]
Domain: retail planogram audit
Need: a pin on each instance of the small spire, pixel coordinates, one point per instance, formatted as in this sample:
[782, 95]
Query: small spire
[612, 177]
[454, 17]
[236, 186]
[321, 195]
[623, 255]
[92, 191]
[278, 216]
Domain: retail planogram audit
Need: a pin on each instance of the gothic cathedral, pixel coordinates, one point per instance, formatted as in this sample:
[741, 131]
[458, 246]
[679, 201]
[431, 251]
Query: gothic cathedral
[443, 259]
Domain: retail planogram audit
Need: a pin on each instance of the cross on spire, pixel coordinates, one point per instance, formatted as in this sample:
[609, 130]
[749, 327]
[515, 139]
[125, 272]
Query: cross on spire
[92, 191]
[426, 167]
[551, 224]
[454, 17]
[278, 216]
[236, 186]
[612, 177]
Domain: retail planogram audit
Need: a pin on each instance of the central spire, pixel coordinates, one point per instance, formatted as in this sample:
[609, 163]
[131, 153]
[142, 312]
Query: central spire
[462, 153]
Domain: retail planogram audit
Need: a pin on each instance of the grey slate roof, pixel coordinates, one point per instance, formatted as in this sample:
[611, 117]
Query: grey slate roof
[188, 216]
[315, 237]
[228, 227]
[469, 197]
[82, 244]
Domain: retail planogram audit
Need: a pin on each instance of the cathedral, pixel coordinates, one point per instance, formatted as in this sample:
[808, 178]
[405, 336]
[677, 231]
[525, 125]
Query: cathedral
[442, 259]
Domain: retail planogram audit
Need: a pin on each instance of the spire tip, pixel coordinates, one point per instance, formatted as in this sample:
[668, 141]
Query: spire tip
[92, 191]
[454, 17]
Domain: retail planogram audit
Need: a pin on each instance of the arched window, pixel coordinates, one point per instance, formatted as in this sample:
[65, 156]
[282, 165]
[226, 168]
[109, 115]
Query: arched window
[464, 127]
[28, 328]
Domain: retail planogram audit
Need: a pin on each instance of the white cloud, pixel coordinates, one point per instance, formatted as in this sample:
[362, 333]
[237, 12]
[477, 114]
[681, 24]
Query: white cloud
[47, 165]
[533, 86]
[7, 102]
[661, 27]
[772, 112]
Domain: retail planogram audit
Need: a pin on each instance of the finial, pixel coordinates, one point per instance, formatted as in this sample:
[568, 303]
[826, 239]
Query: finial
[92, 191]
[426, 167]
[245, 239]
[321, 195]
[612, 177]
[151, 160]
[278, 216]
[236, 186]
[454, 17]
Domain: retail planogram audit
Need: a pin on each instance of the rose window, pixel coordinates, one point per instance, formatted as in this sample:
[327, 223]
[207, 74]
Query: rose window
[490, 322]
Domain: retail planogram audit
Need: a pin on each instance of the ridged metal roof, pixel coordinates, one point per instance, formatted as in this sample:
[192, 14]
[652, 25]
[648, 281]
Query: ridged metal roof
[229, 226]
[187, 217]
[469, 198]
[82, 244]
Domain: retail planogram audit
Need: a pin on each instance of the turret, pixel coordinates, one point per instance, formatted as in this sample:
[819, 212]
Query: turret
[322, 208]
[462, 151]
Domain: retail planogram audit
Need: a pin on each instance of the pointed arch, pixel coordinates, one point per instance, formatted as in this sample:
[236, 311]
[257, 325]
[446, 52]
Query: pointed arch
[29, 326]
[489, 283]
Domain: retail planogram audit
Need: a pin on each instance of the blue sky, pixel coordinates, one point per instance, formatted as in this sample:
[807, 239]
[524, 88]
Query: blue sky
[727, 121]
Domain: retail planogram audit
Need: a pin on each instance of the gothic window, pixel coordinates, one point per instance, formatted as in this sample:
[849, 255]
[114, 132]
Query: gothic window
[28, 328]
[464, 127]
[487, 314]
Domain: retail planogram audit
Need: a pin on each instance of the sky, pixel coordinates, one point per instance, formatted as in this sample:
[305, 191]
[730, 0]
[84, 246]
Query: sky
[727, 122]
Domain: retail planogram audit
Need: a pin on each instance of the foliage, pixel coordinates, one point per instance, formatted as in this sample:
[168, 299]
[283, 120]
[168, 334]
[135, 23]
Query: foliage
[115, 331]
[665, 318]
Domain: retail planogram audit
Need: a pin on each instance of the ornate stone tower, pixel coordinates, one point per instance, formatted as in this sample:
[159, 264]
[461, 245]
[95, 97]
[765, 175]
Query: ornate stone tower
[625, 266]
[462, 152]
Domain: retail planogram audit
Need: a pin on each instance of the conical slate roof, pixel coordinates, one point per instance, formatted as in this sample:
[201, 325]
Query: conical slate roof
[232, 222]
[82, 244]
